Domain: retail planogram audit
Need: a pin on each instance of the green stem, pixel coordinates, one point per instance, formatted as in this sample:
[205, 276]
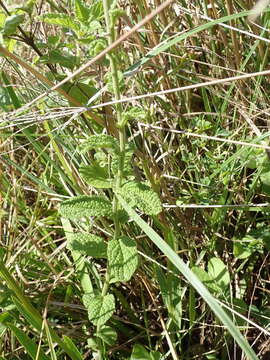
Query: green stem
[122, 137]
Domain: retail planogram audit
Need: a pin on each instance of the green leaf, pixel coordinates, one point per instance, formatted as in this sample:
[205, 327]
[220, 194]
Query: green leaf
[62, 58]
[172, 293]
[241, 250]
[206, 279]
[11, 91]
[109, 80]
[140, 353]
[29, 345]
[83, 205]
[165, 45]
[100, 308]
[127, 167]
[88, 244]
[81, 11]
[69, 343]
[11, 24]
[60, 20]
[79, 91]
[191, 278]
[2, 20]
[96, 11]
[141, 196]
[218, 271]
[122, 258]
[98, 142]
[108, 335]
[96, 176]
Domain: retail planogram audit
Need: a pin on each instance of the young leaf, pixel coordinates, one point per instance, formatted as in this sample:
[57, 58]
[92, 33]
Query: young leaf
[219, 273]
[88, 244]
[61, 20]
[99, 142]
[127, 168]
[83, 205]
[122, 259]
[11, 24]
[81, 11]
[141, 196]
[108, 335]
[96, 176]
[96, 11]
[100, 308]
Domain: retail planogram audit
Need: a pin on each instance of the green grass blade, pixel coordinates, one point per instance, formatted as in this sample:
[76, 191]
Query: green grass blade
[29, 345]
[192, 279]
[14, 98]
[168, 43]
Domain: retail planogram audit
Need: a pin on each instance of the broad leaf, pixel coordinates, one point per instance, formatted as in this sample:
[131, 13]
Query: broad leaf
[219, 273]
[79, 91]
[141, 196]
[88, 244]
[140, 353]
[206, 279]
[62, 58]
[81, 206]
[11, 24]
[60, 19]
[108, 335]
[96, 11]
[96, 176]
[101, 141]
[100, 308]
[81, 11]
[122, 259]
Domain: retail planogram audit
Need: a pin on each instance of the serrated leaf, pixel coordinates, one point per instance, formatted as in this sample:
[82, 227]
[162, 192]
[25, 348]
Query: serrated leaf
[11, 24]
[218, 271]
[100, 308]
[60, 20]
[81, 206]
[108, 335]
[96, 11]
[122, 258]
[81, 11]
[127, 168]
[88, 244]
[101, 141]
[141, 196]
[96, 176]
